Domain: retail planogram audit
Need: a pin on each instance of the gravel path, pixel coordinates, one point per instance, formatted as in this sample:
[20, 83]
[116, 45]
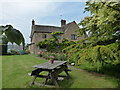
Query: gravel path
[75, 68]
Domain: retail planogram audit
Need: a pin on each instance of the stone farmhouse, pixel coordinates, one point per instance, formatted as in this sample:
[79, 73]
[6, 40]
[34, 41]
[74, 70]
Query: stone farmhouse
[41, 32]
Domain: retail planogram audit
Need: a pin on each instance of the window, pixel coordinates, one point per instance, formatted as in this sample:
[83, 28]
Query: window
[59, 37]
[73, 36]
[44, 36]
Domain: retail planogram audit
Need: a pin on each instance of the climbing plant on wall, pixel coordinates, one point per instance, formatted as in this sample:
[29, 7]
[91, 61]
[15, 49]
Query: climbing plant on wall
[53, 43]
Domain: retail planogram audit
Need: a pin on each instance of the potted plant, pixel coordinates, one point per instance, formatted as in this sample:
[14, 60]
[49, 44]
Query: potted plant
[51, 59]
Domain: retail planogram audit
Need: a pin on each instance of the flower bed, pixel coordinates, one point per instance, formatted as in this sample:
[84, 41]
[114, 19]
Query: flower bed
[57, 56]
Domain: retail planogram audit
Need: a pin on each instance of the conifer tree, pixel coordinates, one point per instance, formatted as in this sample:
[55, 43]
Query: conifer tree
[103, 28]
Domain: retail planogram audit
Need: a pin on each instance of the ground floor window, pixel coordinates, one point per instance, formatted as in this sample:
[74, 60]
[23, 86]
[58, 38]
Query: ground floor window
[44, 36]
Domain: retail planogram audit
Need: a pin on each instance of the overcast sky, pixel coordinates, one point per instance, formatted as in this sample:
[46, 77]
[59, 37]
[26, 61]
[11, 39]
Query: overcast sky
[20, 13]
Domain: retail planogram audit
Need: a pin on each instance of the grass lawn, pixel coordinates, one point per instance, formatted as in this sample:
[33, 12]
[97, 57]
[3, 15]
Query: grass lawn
[15, 71]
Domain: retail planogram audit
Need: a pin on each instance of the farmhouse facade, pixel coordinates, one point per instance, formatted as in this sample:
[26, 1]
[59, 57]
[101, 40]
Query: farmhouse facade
[41, 32]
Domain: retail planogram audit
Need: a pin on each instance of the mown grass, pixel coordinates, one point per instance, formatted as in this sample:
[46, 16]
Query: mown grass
[15, 71]
[107, 69]
[0, 73]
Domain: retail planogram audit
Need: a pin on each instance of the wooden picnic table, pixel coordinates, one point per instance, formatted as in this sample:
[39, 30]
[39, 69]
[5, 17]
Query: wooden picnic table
[53, 71]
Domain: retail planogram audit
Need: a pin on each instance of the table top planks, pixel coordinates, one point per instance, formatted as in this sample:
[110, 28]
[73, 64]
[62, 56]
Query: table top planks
[48, 65]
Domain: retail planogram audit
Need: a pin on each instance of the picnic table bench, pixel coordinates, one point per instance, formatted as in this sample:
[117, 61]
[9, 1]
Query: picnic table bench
[53, 71]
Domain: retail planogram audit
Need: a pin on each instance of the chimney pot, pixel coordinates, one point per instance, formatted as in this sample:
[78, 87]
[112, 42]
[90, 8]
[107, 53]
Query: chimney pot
[33, 22]
[63, 22]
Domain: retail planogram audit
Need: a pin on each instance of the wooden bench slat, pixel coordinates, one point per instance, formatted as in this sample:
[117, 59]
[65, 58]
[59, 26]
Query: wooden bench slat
[40, 76]
[47, 65]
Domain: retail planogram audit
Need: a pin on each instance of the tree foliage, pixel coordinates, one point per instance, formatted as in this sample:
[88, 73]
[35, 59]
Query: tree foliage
[103, 28]
[3, 44]
[53, 43]
[13, 35]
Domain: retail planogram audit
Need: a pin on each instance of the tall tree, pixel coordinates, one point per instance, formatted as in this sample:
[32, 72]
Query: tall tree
[10, 34]
[103, 28]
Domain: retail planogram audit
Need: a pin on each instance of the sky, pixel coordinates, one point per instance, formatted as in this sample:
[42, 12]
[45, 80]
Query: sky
[20, 13]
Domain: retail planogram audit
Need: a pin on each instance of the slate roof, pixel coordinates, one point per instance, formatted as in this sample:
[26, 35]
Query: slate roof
[49, 29]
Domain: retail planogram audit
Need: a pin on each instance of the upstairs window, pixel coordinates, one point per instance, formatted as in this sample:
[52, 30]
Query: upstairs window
[73, 36]
[44, 36]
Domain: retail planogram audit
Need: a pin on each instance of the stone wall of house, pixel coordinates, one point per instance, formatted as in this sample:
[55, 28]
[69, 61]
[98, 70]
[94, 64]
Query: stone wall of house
[37, 37]
[32, 48]
[71, 30]
[32, 45]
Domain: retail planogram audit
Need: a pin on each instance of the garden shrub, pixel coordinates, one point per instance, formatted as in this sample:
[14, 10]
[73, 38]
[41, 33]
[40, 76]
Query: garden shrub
[26, 51]
[61, 56]
[3, 45]
[3, 49]
[18, 53]
[57, 56]
[42, 54]
[45, 55]
[13, 52]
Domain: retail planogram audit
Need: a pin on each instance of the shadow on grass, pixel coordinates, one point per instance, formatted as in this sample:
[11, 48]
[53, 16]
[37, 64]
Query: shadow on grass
[110, 70]
[118, 83]
[66, 82]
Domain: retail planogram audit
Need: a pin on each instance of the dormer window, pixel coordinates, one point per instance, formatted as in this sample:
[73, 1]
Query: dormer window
[44, 36]
[73, 36]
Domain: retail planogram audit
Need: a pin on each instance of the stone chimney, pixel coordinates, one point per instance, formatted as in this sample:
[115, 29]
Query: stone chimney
[33, 22]
[63, 22]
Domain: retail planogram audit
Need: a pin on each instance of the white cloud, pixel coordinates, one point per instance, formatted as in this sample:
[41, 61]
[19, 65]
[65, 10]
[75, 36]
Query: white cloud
[20, 14]
[23, 8]
[43, 0]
